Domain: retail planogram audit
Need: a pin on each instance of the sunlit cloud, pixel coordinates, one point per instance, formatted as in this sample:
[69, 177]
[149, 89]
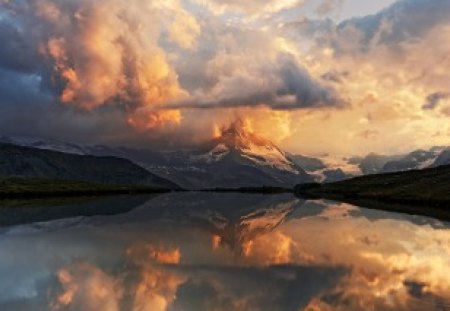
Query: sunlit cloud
[147, 68]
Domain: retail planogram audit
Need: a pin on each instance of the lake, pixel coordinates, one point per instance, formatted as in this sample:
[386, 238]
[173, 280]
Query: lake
[219, 251]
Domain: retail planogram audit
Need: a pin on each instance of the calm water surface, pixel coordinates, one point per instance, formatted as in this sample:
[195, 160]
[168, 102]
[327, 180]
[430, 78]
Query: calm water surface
[214, 252]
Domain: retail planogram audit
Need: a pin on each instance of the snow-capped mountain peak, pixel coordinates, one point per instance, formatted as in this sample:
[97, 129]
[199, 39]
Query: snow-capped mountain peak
[239, 139]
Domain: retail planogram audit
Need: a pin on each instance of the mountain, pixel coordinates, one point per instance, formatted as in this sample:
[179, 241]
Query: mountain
[235, 158]
[418, 159]
[442, 159]
[309, 164]
[27, 162]
[326, 169]
[373, 163]
[239, 158]
[48, 144]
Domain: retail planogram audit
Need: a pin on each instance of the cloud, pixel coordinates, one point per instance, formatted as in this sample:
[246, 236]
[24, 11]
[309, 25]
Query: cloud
[250, 68]
[86, 287]
[328, 6]
[392, 60]
[17, 53]
[434, 99]
[138, 71]
[251, 7]
[335, 76]
[404, 22]
[152, 61]
[99, 54]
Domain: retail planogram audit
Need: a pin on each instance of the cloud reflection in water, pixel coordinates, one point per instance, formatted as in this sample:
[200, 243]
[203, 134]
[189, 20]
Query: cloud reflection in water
[192, 251]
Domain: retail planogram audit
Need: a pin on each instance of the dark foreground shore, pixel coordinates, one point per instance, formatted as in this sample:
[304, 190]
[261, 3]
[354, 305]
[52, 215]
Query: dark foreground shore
[425, 192]
[31, 188]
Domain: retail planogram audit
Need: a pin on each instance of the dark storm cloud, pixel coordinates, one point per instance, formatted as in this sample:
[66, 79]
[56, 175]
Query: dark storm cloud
[404, 21]
[433, 100]
[17, 53]
[335, 76]
[286, 86]
[230, 66]
[28, 108]
[308, 92]
[18, 88]
[59, 58]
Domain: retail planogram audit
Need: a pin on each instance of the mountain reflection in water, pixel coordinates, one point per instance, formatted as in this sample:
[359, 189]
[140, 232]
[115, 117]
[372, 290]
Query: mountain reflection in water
[210, 251]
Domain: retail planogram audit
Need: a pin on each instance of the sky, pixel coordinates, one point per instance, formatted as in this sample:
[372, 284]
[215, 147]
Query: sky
[344, 77]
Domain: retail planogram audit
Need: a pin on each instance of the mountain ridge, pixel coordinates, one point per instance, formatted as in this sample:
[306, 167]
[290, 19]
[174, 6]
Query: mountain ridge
[234, 159]
[28, 162]
[212, 163]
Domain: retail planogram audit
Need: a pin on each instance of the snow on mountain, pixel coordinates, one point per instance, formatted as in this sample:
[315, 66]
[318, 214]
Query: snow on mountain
[334, 168]
[215, 155]
[442, 159]
[236, 158]
[415, 160]
[373, 163]
[260, 151]
[327, 168]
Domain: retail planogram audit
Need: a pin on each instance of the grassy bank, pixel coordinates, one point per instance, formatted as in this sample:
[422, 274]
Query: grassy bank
[428, 187]
[22, 188]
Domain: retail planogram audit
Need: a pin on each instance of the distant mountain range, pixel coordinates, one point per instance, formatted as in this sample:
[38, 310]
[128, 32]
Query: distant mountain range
[239, 158]
[235, 158]
[328, 169]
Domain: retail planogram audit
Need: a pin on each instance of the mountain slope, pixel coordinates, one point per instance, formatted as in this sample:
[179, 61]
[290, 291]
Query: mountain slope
[239, 158]
[418, 159]
[18, 161]
[373, 163]
[48, 144]
[442, 159]
[327, 169]
[244, 146]
[235, 158]
[309, 164]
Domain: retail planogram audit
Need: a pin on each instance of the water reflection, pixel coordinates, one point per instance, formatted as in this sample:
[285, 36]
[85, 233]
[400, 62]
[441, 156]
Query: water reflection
[194, 251]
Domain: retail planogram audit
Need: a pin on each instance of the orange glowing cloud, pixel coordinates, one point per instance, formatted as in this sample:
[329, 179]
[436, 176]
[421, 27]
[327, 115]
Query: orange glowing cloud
[86, 287]
[143, 252]
[276, 126]
[270, 249]
[157, 287]
[108, 53]
[144, 120]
